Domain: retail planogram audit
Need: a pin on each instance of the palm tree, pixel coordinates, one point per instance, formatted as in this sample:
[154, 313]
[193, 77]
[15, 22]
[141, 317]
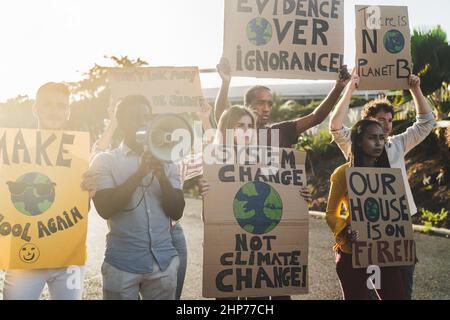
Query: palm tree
[92, 96]
[431, 58]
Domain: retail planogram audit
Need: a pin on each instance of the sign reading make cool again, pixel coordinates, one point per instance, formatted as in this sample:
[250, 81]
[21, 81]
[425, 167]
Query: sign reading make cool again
[297, 39]
[43, 210]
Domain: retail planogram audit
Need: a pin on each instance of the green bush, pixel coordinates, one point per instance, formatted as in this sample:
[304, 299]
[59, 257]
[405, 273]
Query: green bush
[357, 102]
[318, 146]
[445, 107]
[431, 219]
[400, 126]
[291, 109]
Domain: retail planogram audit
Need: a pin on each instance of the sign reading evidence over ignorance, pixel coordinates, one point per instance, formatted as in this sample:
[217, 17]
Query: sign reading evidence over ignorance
[256, 240]
[43, 211]
[291, 39]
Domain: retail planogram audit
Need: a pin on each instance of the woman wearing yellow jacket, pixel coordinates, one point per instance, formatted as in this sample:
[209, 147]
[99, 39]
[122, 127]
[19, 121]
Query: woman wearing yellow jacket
[368, 150]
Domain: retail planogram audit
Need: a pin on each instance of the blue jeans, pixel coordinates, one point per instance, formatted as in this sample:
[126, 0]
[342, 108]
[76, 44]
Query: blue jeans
[179, 242]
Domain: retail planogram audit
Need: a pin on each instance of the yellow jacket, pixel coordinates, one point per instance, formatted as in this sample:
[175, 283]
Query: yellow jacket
[338, 197]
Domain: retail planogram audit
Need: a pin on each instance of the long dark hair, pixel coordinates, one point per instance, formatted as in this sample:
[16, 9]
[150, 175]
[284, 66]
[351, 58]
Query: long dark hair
[357, 155]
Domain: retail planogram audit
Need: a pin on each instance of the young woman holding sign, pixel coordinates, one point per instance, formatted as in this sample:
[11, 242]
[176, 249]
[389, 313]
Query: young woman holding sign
[397, 146]
[243, 123]
[238, 127]
[367, 150]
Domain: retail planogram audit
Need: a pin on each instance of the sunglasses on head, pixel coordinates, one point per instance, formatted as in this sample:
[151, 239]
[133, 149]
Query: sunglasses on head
[42, 189]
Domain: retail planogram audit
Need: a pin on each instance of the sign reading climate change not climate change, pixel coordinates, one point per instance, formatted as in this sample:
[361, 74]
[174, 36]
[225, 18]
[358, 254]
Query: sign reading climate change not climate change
[292, 39]
[380, 213]
[43, 212]
[256, 240]
[383, 47]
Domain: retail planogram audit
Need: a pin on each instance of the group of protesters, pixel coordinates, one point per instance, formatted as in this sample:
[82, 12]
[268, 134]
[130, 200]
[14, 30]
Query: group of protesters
[141, 197]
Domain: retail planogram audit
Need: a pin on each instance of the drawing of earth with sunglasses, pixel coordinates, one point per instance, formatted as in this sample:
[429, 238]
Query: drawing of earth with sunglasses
[32, 193]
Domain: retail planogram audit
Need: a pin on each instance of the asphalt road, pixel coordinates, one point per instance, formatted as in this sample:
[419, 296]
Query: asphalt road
[432, 276]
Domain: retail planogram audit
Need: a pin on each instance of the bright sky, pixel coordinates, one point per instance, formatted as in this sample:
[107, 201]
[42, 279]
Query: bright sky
[57, 40]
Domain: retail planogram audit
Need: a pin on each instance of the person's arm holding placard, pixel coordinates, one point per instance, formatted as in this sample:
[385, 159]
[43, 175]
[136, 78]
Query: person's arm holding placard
[305, 193]
[338, 225]
[340, 133]
[323, 110]
[204, 114]
[222, 102]
[425, 121]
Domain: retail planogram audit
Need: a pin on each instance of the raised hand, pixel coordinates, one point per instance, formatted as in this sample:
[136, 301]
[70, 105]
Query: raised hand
[414, 82]
[353, 84]
[224, 69]
[204, 111]
[344, 77]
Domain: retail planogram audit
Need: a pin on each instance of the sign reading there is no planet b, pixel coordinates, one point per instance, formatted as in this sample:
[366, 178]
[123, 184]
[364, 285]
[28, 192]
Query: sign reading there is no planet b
[286, 39]
[383, 47]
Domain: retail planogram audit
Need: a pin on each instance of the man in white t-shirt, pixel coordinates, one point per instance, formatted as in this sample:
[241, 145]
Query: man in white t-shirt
[52, 111]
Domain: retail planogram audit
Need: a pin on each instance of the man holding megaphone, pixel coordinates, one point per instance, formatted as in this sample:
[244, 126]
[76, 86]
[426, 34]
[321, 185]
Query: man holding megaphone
[139, 195]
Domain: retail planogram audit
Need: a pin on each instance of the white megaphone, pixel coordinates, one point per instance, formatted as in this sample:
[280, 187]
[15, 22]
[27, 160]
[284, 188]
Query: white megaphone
[168, 137]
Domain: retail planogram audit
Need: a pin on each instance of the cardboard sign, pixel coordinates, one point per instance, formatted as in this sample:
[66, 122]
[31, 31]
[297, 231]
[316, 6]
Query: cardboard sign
[168, 89]
[256, 229]
[287, 39]
[383, 47]
[43, 211]
[380, 213]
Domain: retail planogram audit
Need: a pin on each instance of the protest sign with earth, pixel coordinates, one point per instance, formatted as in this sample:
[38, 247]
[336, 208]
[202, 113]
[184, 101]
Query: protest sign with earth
[43, 212]
[383, 47]
[380, 212]
[256, 240]
[287, 39]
